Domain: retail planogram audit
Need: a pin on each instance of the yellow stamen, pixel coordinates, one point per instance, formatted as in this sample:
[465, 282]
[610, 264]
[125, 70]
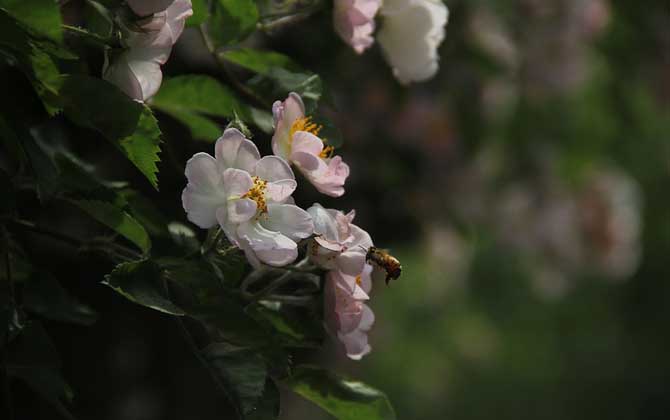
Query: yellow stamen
[257, 193]
[327, 152]
[358, 280]
[304, 124]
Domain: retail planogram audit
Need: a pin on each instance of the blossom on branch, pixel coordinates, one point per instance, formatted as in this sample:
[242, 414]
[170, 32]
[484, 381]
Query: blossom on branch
[148, 44]
[354, 22]
[249, 197]
[296, 140]
[338, 243]
[346, 313]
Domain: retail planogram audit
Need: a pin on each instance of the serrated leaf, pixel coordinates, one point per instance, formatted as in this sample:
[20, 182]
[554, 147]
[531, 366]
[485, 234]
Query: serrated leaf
[243, 372]
[118, 220]
[127, 124]
[41, 15]
[343, 398]
[141, 282]
[43, 295]
[188, 98]
[231, 21]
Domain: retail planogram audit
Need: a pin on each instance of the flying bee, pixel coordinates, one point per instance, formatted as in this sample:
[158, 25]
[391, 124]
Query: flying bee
[386, 261]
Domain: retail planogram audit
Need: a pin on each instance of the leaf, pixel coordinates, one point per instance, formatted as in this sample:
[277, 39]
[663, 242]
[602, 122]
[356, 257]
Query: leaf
[200, 13]
[98, 20]
[292, 328]
[231, 21]
[41, 15]
[118, 220]
[345, 399]
[127, 124]
[243, 372]
[188, 97]
[145, 211]
[42, 166]
[44, 296]
[268, 407]
[141, 282]
[261, 62]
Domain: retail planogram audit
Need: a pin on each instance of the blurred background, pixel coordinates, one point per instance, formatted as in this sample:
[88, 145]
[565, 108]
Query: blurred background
[525, 189]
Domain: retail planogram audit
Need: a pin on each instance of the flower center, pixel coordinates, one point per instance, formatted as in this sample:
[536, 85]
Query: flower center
[304, 124]
[257, 193]
[358, 280]
[327, 152]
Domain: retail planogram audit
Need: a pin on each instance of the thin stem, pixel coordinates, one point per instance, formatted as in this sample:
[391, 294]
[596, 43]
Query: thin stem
[48, 232]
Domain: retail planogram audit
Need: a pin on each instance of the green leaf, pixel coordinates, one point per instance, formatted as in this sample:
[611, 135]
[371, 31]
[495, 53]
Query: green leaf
[268, 407]
[291, 327]
[261, 62]
[42, 166]
[41, 15]
[98, 19]
[231, 21]
[243, 372]
[200, 13]
[118, 220]
[187, 98]
[127, 124]
[141, 282]
[345, 399]
[44, 296]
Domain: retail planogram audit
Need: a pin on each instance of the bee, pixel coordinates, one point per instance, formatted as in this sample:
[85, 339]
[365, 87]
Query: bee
[386, 261]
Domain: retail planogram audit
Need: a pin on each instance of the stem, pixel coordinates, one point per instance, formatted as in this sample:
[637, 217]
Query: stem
[48, 232]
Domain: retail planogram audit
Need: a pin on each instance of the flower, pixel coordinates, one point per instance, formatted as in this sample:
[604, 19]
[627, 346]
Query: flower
[296, 140]
[354, 22]
[136, 70]
[148, 7]
[410, 35]
[346, 314]
[248, 197]
[338, 244]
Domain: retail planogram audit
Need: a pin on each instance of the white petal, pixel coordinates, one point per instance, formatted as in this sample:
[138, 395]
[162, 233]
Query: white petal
[270, 247]
[241, 210]
[204, 193]
[233, 150]
[289, 220]
[355, 343]
[280, 191]
[273, 168]
[324, 223]
[236, 182]
[351, 262]
[306, 142]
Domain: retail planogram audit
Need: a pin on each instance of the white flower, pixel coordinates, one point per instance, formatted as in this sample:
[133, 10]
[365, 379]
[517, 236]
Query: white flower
[346, 313]
[338, 244]
[354, 21]
[296, 140]
[248, 197]
[136, 70]
[411, 33]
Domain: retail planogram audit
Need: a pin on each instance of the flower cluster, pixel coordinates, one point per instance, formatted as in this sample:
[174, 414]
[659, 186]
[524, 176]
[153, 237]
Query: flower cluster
[249, 198]
[147, 39]
[411, 33]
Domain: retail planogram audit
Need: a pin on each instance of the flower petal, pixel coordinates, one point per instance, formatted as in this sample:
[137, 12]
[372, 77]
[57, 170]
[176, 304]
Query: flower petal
[290, 220]
[204, 193]
[273, 168]
[270, 247]
[233, 150]
[306, 142]
[280, 191]
[285, 113]
[236, 182]
[241, 210]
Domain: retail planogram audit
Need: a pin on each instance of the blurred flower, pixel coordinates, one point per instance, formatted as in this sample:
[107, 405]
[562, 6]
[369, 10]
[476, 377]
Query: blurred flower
[354, 22]
[346, 314]
[248, 197]
[136, 70]
[410, 35]
[296, 140]
[338, 244]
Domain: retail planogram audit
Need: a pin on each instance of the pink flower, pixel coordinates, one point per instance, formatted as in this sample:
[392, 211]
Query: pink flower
[136, 70]
[296, 140]
[338, 244]
[346, 313]
[248, 197]
[354, 21]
